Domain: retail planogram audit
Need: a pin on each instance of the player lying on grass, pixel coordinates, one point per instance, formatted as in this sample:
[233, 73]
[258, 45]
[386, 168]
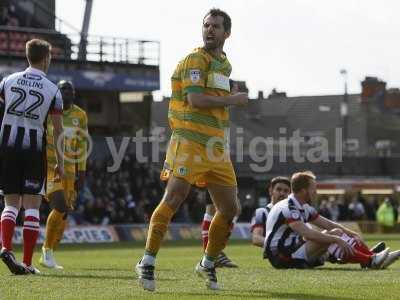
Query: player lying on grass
[290, 243]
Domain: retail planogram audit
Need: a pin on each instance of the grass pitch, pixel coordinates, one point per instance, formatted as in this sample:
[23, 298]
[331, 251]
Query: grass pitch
[106, 272]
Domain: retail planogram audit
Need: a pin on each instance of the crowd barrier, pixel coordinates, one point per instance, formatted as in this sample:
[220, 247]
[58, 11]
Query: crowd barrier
[131, 232]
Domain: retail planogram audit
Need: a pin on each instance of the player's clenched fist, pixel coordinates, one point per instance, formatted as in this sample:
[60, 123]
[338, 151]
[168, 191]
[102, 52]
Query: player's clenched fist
[239, 99]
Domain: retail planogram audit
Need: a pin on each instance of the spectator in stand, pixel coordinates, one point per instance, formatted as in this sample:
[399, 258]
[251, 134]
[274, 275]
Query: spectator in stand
[248, 208]
[13, 19]
[386, 215]
[343, 209]
[8, 16]
[395, 206]
[323, 209]
[333, 208]
[130, 196]
[371, 205]
[356, 209]
[4, 17]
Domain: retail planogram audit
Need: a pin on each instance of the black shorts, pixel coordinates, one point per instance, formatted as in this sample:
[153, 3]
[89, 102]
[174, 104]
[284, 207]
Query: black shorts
[23, 172]
[279, 262]
[285, 259]
[285, 262]
[208, 198]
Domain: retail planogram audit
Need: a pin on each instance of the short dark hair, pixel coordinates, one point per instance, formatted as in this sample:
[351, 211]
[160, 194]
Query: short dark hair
[301, 180]
[214, 12]
[37, 50]
[65, 84]
[279, 179]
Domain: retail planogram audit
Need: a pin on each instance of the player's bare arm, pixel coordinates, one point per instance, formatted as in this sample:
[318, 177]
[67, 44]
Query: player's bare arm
[57, 121]
[311, 234]
[327, 224]
[201, 100]
[81, 166]
[257, 237]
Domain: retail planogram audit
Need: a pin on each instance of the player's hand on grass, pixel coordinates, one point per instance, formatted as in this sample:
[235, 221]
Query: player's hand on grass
[346, 248]
[240, 99]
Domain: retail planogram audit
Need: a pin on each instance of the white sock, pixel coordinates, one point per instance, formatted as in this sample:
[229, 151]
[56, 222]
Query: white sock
[335, 251]
[148, 260]
[205, 262]
[207, 217]
[348, 240]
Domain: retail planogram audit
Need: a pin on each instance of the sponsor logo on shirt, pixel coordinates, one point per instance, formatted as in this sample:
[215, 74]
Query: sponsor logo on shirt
[218, 81]
[195, 75]
[32, 76]
[221, 81]
[33, 184]
[183, 171]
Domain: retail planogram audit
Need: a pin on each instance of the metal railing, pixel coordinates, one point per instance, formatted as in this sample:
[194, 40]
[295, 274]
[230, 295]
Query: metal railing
[120, 50]
[66, 46]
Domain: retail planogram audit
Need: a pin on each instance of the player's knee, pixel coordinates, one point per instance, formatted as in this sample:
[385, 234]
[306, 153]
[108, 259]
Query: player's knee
[336, 231]
[58, 201]
[61, 209]
[174, 198]
[229, 211]
[32, 201]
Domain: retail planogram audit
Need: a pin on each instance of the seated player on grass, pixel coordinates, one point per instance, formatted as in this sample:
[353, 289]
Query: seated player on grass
[278, 190]
[290, 243]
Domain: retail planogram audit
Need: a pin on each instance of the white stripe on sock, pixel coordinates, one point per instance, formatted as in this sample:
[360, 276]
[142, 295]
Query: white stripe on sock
[31, 223]
[8, 218]
[207, 217]
[32, 213]
[31, 228]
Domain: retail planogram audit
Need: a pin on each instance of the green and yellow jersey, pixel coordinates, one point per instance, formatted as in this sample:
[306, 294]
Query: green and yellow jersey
[200, 72]
[75, 143]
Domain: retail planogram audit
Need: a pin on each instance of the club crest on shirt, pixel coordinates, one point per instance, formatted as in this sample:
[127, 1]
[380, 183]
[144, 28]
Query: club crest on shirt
[195, 75]
[183, 171]
[75, 121]
[295, 215]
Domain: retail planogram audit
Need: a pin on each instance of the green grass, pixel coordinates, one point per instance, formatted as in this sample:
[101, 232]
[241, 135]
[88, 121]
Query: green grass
[106, 272]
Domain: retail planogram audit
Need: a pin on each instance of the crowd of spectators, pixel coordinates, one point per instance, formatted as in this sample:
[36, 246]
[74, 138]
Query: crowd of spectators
[128, 196]
[131, 194]
[8, 15]
[357, 208]
[12, 40]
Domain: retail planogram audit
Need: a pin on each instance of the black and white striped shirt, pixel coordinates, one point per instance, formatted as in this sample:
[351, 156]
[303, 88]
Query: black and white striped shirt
[280, 238]
[259, 219]
[28, 99]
